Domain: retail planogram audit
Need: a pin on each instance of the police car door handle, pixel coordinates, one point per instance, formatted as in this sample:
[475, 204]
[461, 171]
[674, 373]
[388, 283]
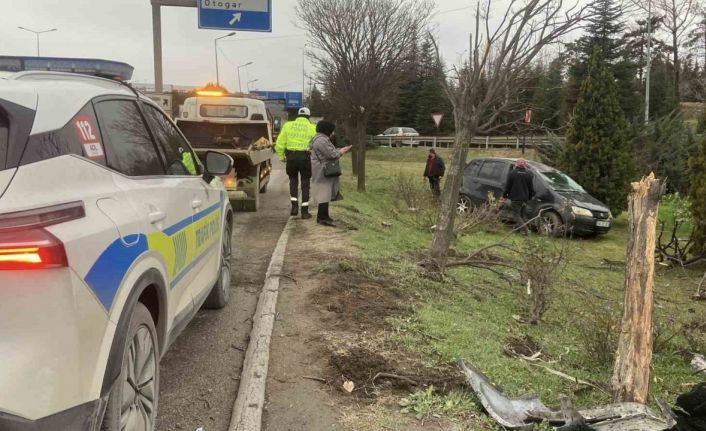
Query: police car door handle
[196, 203]
[156, 216]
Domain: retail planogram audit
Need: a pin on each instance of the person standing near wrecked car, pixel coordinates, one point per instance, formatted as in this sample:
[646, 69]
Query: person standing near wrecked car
[292, 147]
[433, 171]
[519, 189]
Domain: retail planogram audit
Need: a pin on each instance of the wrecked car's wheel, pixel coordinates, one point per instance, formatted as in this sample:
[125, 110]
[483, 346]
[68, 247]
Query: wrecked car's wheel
[464, 206]
[550, 224]
[132, 404]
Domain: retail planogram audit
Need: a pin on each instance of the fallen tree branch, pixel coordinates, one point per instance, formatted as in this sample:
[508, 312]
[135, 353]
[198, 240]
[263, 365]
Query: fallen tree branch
[395, 376]
[318, 379]
[569, 378]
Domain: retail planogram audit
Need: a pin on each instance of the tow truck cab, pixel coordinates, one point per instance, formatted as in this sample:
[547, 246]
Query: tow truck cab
[239, 126]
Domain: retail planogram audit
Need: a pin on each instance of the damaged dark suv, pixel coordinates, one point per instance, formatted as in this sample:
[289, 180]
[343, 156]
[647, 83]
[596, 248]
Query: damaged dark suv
[560, 202]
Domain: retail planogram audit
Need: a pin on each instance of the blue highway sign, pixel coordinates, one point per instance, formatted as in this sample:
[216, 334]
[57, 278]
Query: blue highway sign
[241, 15]
[292, 99]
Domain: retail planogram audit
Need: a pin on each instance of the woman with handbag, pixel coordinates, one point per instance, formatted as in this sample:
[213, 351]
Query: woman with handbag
[325, 170]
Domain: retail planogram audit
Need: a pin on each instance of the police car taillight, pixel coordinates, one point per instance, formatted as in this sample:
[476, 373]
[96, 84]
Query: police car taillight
[31, 249]
[25, 244]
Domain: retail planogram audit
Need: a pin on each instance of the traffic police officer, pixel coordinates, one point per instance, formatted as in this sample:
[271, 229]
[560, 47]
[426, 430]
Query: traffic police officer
[293, 146]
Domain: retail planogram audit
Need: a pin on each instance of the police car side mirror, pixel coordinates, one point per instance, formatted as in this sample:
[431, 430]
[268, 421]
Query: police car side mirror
[217, 163]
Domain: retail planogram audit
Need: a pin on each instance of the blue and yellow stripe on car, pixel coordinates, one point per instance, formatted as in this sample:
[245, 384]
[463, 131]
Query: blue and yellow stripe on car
[182, 246]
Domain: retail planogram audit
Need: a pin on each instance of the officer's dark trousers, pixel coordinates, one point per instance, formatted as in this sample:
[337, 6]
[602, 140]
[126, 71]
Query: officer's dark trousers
[299, 166]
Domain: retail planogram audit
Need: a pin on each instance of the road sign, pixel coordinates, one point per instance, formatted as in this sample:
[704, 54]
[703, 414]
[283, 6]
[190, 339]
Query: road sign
[242, 15]
[437, 117]
[292, 99]
[528, 116]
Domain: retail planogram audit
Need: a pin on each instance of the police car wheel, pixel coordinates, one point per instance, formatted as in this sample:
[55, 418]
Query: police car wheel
[132, 403]
[218, 298]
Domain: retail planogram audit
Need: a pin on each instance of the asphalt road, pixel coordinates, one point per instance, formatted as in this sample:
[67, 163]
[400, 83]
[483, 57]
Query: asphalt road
[201, 371]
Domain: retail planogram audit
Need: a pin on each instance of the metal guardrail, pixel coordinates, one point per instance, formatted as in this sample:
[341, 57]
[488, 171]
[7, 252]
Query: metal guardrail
[487, 142]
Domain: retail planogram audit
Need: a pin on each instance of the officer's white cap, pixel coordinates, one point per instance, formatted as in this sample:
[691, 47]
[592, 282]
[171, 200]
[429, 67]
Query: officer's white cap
[304, 111]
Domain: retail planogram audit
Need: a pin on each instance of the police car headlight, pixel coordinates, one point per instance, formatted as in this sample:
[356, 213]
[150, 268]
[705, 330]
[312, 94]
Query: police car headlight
[583, 212]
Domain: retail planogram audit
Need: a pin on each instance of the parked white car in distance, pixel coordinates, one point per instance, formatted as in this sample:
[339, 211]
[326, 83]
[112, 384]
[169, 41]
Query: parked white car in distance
[406, 132]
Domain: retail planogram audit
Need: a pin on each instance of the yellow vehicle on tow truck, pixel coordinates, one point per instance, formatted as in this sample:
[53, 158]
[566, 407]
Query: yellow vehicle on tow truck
[239, 126]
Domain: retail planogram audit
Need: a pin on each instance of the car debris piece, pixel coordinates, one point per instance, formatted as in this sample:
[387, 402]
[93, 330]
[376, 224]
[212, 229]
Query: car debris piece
[523, 413]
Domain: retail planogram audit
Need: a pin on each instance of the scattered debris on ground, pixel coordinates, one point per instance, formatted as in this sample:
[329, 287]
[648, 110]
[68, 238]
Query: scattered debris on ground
[524, 347]
[523, 413]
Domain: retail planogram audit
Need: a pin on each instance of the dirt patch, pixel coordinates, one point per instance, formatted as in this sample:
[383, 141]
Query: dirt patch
[374, 374]
[521, 346]
[332, 327]
[356, 301]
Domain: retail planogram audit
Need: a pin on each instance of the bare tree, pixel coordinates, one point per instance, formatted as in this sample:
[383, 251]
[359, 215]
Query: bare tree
[679, 15]
[487, 86]
[360, 47]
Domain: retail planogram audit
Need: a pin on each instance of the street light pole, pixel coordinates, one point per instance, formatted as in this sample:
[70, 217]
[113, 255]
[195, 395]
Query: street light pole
[303, 70]
[215, 49]
[250, 82]
[240, 84]
[36, 33]
[649, 61]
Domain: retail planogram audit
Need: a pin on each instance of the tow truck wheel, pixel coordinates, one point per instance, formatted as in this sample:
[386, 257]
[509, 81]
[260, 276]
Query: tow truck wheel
[132, 403]
[218, 298]
[253, 202]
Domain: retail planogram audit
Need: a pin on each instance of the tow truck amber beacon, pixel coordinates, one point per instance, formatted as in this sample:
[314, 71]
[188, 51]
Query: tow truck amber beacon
[112, 237]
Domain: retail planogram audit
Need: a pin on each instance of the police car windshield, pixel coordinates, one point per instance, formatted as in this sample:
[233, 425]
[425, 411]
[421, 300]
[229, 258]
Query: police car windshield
[561, 182]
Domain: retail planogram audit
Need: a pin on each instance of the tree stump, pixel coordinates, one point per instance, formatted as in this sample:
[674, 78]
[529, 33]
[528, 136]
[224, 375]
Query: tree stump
[631, 373]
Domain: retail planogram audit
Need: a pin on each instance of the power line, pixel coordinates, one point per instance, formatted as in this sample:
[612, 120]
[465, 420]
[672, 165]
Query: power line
[285, 85]
[441, 12]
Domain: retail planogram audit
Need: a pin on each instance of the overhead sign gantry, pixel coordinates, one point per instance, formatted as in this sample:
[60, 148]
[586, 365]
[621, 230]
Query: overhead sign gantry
[241, 15]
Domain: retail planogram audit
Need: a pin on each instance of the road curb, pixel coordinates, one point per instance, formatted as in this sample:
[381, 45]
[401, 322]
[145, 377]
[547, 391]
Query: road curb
[249, 404]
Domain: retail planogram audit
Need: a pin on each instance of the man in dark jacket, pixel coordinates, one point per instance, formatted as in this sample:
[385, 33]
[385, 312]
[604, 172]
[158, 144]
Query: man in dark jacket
[434, 170]
[519, 189]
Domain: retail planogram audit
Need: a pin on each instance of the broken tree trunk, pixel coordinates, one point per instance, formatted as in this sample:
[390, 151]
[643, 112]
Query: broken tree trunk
[631, 373]
[444, 231]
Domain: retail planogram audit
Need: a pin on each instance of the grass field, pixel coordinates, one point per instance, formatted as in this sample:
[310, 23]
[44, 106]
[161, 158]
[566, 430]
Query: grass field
[471, 315]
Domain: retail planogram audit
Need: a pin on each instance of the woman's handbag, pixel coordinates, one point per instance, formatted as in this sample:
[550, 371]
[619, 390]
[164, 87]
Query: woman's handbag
[332, 169]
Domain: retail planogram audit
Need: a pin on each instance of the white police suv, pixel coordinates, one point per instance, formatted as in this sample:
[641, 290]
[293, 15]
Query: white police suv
[112, 236]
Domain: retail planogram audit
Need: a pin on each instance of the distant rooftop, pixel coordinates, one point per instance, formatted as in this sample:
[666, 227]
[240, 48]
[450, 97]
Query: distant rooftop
[87, 66]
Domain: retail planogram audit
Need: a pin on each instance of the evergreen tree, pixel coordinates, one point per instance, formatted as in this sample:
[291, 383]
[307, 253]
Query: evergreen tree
[604, 29]
[697, 191]
[597, 152]
[664, 147]
[662, 96]
[431, 97]
[549, 97]
[316, 103]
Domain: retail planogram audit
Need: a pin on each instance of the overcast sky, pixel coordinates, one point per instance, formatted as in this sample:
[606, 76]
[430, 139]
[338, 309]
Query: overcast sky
[122, 30]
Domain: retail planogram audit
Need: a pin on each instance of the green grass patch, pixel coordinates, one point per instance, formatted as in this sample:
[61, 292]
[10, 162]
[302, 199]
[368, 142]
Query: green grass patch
[472, 313]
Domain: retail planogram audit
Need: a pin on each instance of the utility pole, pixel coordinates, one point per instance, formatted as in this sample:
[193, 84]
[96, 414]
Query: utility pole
[36, 33]
[240, 84]
[649, 61]
[215, 49]
[303, 71]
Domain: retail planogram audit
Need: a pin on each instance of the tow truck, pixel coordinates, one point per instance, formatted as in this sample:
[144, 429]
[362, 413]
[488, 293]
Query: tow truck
[239, 126]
